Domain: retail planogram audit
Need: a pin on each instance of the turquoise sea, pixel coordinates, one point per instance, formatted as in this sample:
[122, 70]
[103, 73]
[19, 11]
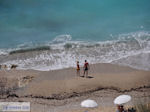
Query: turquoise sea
[55, 34]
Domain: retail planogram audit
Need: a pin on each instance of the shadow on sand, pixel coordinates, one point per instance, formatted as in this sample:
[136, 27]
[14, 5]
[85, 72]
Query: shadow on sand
[90, 77]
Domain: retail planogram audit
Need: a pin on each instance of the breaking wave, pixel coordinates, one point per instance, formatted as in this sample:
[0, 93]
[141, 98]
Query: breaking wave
[63, 52]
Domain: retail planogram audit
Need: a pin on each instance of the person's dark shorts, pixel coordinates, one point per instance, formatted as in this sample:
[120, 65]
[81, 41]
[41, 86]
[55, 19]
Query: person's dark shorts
[85, 69]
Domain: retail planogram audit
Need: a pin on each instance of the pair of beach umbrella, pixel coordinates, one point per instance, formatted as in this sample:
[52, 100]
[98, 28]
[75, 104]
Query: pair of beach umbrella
[120, 100]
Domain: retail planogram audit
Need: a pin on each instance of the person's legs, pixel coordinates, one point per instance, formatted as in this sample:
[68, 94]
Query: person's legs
[86, 73]
[78, 72]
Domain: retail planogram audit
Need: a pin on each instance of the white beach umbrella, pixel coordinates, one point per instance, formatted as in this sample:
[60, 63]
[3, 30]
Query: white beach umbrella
[89, 103]
[122, 99]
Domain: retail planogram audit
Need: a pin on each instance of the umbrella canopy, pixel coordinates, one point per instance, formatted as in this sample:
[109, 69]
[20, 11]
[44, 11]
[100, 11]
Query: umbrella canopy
[122, 99]
[89, 103]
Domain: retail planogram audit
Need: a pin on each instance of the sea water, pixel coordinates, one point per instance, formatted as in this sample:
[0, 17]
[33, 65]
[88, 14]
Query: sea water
[54, 34]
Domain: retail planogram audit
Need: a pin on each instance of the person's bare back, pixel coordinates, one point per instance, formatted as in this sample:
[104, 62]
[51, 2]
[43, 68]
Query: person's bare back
[86, 68]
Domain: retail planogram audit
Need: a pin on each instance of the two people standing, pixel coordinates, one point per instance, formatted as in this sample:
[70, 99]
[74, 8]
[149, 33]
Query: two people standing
[86, 67]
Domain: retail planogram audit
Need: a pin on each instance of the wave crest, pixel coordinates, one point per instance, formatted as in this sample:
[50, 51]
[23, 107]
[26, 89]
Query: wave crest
[63, 52]
[62, 39]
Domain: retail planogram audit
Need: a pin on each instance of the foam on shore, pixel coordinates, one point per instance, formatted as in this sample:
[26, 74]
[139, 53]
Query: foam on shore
[63, 52]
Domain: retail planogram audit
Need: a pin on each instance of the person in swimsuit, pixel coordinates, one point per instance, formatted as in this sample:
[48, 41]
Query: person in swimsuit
[120, 108]
[78, 69]
[86, 68]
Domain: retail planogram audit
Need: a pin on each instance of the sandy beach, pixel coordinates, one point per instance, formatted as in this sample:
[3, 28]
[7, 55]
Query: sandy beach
[62, 90]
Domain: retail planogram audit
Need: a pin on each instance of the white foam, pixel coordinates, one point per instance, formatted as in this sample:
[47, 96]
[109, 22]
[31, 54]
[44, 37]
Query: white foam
[94, 52]
[3, 52]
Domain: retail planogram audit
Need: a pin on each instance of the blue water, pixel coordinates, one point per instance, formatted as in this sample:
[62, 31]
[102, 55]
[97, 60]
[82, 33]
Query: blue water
[39, 21]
